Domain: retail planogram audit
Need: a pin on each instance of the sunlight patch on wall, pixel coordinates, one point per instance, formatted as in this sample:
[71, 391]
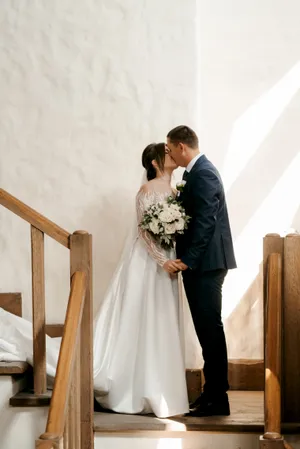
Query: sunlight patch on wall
[250, 130]
[275, 214]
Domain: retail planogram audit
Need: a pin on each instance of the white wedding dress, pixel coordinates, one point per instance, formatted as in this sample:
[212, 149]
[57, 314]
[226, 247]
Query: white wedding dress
[144, 338]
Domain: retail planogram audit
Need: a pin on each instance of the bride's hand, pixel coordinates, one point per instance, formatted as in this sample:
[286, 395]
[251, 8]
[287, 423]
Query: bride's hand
[182, 266]
[170, 266]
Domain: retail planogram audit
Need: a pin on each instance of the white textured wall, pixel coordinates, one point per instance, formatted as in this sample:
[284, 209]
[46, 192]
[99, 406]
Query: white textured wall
[86, 85]
[249, 123]
[19, 426]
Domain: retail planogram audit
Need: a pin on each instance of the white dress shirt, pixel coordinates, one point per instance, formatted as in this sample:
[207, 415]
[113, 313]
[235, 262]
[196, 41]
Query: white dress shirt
[193, 162]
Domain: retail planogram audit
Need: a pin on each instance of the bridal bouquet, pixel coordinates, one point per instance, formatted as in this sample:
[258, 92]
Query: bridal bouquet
[164, 221]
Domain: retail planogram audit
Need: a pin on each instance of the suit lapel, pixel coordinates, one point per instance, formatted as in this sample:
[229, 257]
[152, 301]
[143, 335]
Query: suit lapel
[183, 197]
[199, 162]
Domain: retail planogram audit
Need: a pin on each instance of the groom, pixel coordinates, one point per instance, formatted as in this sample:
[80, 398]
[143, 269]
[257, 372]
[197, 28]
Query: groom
[205, 254]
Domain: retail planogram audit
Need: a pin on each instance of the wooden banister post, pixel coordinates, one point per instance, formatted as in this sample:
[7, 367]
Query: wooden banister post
[291, 340]
[272, 243]
[273, 250]
[81, 260]
[38, 311]
[273, 346]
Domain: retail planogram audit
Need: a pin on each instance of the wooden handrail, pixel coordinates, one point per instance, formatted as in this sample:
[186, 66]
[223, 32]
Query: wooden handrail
[70, 419]
[64, 371]
[81, 260]
[40, 225]
[44, 444]
[70, 416]
[287, 445]
[34, 218]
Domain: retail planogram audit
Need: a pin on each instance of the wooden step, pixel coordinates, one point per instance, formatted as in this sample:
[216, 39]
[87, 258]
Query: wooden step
[27, 398]
[13, 368]
[243, 375]
[246, 374]
[247, 416]
[11, 302]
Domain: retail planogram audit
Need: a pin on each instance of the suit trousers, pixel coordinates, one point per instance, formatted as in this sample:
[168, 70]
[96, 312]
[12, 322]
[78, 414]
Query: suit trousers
[204, 294]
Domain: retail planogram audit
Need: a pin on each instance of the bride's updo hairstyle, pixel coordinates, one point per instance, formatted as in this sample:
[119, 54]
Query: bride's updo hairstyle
[154, 152]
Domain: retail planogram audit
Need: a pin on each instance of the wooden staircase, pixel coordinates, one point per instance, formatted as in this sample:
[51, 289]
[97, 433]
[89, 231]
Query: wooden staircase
[71, 412]
[246, 378]
[71, 403]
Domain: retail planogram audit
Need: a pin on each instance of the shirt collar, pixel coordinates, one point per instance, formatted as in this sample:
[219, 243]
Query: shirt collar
[193, 162]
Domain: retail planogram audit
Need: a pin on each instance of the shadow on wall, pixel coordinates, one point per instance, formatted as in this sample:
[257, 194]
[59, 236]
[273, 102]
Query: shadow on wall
[257, 209]
[252, 144]
[246, 319]
[268, 205]
[246, 322]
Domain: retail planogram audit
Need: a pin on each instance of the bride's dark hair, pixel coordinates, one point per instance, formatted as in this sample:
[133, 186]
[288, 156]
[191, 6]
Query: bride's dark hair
[154, 152]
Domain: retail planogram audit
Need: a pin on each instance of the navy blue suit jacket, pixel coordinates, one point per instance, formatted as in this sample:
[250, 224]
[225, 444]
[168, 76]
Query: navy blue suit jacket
[207, 243]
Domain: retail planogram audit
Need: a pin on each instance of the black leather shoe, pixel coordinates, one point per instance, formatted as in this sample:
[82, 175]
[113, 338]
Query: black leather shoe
[205, 406]
[201, 400]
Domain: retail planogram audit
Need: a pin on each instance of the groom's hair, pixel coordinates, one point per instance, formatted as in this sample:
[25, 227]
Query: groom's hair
[184, 134]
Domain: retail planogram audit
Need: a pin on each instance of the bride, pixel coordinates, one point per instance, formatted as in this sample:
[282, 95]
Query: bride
[144, 338]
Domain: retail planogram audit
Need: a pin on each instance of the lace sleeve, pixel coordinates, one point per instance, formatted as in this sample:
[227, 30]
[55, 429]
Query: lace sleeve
[153, 248]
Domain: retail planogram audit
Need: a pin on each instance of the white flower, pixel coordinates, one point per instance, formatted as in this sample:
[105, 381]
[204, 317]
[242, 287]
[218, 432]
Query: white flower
[179, 225]
[180, 185]
[166, 216]
[175, 211]
[170, 228]
[154, 226]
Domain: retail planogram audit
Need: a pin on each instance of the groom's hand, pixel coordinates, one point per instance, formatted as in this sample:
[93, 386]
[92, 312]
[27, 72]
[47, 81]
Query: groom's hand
[171, 266]
[182, 266]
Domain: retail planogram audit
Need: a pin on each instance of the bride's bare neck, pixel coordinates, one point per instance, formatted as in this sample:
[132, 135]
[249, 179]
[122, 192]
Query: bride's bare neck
[161, 183]
[165, 176]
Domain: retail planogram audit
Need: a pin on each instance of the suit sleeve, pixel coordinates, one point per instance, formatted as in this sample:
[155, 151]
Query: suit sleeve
[205, 190]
